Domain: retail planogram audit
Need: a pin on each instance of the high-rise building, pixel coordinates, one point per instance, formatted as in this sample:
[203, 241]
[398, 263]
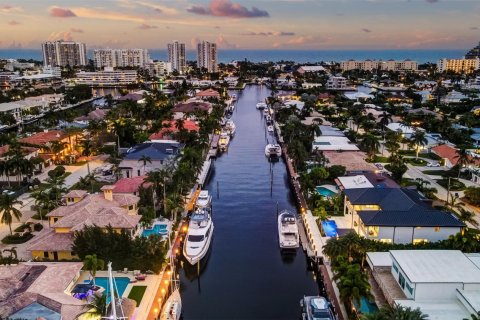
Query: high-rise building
[458, 65]
[473, 53]
[207, 56]
[114, 58]
[64, 53]
[388, 65]
[176, 56]
[159, 68]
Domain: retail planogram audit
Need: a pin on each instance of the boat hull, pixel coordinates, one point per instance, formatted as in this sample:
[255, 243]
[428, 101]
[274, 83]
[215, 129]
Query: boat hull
[292, 240]
[193, 260]
[172, 309]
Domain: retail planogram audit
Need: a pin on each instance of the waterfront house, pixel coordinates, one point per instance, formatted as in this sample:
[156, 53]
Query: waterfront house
[332, 139]
[397, 215]
[208, 94]
[310, 69]
[187, 110]
[160, 155]
[119, 211]
[353, 161]
[46, 140]
[445, 284]
[170, 128]
[131, 186]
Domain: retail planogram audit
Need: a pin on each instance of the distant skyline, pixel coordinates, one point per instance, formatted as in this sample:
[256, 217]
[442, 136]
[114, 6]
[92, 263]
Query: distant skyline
[239, 24]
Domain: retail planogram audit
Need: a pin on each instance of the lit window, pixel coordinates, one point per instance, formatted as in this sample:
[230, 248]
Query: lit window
[437, 229]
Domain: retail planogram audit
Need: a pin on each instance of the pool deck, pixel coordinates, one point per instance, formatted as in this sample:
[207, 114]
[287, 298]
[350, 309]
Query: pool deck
[152, 282]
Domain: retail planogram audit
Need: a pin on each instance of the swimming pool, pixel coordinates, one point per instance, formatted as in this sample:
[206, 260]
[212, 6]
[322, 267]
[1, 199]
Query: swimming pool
[158, 228]
[330, 228]
[36, 311]
[325, 192]
[366, 306]
[122, 283]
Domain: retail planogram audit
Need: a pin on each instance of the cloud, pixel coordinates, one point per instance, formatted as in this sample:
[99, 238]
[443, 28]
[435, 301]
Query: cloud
[13, 23]
[62, 35]
[366, 30]
[223, 43]
[158, 8]
[269, 33]
[145, 26]
[226, 8]
[102, 14]
[58, 12]
[76, 30]
[474, 28]
[6, 8]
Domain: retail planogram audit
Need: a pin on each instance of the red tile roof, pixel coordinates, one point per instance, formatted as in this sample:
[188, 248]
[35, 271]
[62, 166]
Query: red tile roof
[171, 127]
[26, 150]
[209, 93]
[447, 152]
[42, 138]
[130, 185]
[187, 107]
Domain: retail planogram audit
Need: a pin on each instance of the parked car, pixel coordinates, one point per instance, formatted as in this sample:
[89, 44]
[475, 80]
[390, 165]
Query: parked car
[433, 164]
[379, 166]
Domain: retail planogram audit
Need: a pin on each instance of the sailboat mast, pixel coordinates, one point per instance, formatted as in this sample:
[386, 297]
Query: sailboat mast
[112, 291]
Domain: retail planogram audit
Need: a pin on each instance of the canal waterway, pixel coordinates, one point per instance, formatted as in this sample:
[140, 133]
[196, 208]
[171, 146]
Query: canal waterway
[245, 275]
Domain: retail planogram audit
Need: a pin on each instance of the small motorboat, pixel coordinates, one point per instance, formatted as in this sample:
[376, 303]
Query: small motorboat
[288, 235]
[261, 105]
[204, 199]
[268, 118]
[199, 235]
[316, 308]
[266, 111]
[230, 127]
[233, 96]
[270, 128]
[273, 150]
[172, 309]
[224, 141]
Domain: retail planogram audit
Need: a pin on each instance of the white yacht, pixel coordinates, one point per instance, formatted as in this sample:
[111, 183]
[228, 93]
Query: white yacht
[230, 127]
[315, 308]
[261, 105]
[172, 309]
[204, 199]
[268, 118]
[288, 230]
[224, 141]
[199, 236]
[270, 128]
[273, 150]
[266, 111]
[233, 97]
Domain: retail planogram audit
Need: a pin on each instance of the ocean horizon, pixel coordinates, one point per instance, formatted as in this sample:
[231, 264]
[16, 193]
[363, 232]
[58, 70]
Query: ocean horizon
[299, 56]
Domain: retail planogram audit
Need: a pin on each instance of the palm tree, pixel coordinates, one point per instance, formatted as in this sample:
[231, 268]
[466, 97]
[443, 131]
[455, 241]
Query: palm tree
[352, 284]
[467, 216]
[463, 159]
[370, 145]
[145, 159]
[418, 139]
[8, 210]
[397, 312]
[96, 308]
[174, 204]
[87, 150]
[92, 264]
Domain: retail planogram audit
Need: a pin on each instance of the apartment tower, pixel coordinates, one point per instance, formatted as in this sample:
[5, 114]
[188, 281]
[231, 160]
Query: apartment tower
[207, 56]
[114, 58]
[177, 57]
[64, 53]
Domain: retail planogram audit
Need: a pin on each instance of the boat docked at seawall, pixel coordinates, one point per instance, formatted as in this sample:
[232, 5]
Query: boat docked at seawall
[199, 235]
[261, 105]
[230, 127]
[224, 141]
[270, 128]
[204, 199]
[273, 150]
[316, 308]
[288, 235]
[172, 309]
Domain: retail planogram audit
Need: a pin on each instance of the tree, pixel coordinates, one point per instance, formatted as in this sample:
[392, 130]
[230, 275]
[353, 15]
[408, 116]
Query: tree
[352, 283]
[92, 264]
[419, 140]
[145, 159]
[467, 216]
[370, 145]
[8, 210]
[397, 167]
[397, 312]
[472, 195]
[463, 159]
[96, 308]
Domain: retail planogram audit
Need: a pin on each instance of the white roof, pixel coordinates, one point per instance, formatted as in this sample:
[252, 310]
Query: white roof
[358, 95]
[312, 68]
[355, 182]
[439, 310]
[397, 126]
[379, 259]
[333, 143]
[437, 266]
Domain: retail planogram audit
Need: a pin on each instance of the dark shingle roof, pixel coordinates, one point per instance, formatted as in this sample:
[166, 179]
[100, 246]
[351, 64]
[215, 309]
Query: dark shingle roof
[417, 216]
[386, 198]
[154, 150]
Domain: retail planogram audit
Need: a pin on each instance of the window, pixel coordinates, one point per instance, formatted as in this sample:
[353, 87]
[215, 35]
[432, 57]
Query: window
[401, 280]
[45, 254]
[417, 241]
[55, 220]
[130, 207]
[138, 172]
[409, 289]
[395, 267]
[437, 229]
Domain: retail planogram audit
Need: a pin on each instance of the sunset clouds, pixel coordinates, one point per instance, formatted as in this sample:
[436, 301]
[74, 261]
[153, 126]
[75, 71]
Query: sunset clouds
[226, 8]
[58, 12]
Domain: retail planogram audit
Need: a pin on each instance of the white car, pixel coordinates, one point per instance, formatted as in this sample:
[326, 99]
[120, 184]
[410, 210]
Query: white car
[433, 164]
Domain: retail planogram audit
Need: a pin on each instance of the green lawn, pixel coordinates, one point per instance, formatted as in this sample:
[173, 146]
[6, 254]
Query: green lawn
[455, 185]
[137, 293]
[436, 172]
[416, 162]
[381, 159]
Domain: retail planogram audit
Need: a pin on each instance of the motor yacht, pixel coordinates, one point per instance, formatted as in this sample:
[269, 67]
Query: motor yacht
[261, 105]
[204, 199]
[270, 128]
[316, 308]
[230, 127]
[268, 118]
[224, 141]
[199, 235]
[266, 112]
[233, 96]
[288, 230]
[273, 150]
[172, 309]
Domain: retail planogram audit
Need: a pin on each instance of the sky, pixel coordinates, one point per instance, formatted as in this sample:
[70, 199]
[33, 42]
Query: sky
[244, 24]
